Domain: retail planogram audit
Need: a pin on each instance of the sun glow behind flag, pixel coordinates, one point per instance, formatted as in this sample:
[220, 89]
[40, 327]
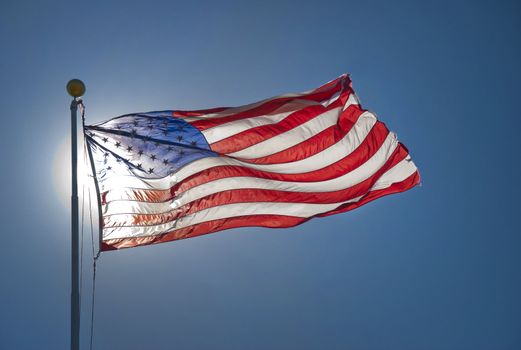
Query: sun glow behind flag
[170, 175]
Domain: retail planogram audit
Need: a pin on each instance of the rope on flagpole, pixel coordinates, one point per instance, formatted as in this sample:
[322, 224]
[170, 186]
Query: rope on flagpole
[91, 228]
[93, 299]
[95, 255]
[96, 185]
[82, 235]
[81, 240]
[85, 146]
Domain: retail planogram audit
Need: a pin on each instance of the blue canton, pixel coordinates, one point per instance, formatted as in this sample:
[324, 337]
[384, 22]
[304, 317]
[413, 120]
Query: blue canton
[147, 145]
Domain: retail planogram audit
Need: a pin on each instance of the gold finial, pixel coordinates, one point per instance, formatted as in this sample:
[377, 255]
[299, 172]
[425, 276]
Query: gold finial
[75, 87]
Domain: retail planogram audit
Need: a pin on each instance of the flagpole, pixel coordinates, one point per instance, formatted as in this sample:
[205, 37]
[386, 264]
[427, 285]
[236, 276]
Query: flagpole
[75, 88]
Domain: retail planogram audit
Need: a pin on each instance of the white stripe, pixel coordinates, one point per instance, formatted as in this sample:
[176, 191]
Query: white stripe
[290, 138]
[347, 180]
[322, 159]
[303, 210]
[352, 100]
[397, 173]
[226, 130]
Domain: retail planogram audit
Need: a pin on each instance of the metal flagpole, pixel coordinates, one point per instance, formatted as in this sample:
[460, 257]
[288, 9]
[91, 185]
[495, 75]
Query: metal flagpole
[75, 88]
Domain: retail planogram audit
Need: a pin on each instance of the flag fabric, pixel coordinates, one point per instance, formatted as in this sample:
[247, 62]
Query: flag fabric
[168, 175]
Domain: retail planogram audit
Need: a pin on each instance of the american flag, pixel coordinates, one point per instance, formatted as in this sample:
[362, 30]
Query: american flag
[169, 175]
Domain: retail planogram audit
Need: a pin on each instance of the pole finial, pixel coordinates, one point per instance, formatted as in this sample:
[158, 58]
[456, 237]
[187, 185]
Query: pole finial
[75, 88]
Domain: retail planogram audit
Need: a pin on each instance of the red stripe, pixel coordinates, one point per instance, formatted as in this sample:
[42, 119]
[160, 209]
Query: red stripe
[261, 133]
[403, 186]
[256, 195]
[359, 156]
[344, 77]
[271, 105]
[270, 221]
[316, 143]
[197, 113]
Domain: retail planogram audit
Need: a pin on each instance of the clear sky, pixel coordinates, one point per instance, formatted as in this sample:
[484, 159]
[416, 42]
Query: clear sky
[433, 268]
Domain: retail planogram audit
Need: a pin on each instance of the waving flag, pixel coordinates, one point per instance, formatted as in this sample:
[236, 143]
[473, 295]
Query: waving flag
[170, 175]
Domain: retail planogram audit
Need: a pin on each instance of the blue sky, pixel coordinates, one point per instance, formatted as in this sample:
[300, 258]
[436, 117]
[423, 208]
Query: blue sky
[434, 268]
